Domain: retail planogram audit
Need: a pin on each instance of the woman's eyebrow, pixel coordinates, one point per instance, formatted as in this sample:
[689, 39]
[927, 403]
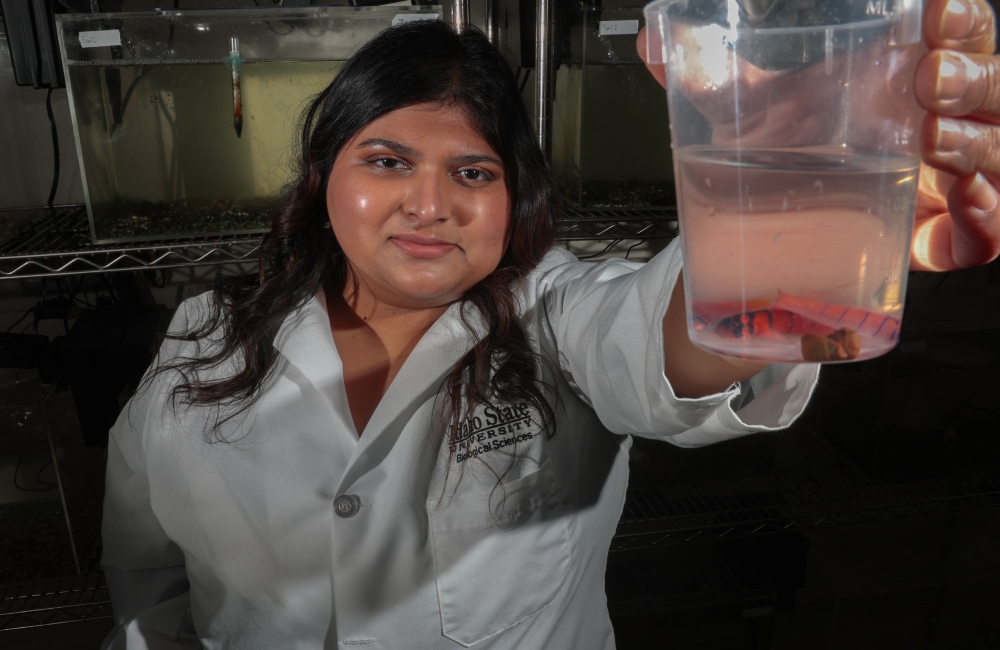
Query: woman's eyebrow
[403, 150]
[472, 159]
[396, 147]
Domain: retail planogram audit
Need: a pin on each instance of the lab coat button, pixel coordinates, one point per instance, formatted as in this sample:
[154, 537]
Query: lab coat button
[346, 505]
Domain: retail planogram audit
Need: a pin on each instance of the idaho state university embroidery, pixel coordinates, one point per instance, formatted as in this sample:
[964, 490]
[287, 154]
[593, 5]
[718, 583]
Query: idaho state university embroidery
[492, 427]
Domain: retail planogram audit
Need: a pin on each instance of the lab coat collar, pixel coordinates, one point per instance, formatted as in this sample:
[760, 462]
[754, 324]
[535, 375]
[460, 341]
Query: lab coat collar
[305, 340]
[417, 383]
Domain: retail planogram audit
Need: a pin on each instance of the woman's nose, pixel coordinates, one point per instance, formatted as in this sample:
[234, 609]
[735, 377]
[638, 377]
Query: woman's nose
[427, 198]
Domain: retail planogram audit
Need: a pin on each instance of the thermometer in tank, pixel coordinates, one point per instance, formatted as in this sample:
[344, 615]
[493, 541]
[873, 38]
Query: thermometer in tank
[234, 61]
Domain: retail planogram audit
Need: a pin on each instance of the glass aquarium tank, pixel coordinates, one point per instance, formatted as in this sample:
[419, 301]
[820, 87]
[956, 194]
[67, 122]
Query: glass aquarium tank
[610, 130]
[187, 121]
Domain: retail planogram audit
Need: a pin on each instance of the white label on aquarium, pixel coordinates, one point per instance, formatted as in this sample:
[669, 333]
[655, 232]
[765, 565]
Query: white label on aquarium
[103, 38]
[399, 19]
[617, 27]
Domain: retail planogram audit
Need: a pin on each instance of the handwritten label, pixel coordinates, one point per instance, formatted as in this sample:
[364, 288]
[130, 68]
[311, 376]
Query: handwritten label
[617, 27]
[103, 38]
[399, 19]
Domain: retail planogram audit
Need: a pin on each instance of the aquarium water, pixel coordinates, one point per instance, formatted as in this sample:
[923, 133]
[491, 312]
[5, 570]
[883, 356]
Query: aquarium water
[161, 153]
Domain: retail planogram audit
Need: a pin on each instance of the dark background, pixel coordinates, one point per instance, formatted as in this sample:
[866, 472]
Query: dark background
[873, 523]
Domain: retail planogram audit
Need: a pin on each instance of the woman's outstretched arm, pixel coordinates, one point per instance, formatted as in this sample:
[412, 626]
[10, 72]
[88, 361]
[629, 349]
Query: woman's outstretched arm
[694, 372]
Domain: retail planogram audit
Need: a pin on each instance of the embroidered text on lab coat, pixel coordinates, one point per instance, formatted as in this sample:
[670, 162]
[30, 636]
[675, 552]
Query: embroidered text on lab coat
[491, 427]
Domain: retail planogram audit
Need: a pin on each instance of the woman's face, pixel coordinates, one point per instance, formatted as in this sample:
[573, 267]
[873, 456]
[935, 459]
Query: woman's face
[418, 202]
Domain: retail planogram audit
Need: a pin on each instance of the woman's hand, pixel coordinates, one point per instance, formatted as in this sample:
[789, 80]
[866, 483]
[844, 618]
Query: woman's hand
[958, 82]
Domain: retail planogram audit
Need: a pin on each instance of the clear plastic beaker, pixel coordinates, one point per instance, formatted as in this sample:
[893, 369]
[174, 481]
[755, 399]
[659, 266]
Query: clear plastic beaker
[794, 131]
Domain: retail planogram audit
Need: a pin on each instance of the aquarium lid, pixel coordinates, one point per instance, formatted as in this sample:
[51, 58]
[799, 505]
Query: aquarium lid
[193, 36]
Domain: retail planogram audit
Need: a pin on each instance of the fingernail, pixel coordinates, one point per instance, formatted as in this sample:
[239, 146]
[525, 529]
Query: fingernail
[981, 195]
[957, 20]
[951, 136]
[953, 76]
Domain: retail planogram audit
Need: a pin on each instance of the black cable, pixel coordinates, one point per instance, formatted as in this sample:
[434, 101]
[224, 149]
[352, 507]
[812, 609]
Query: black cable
[527, 73]
[128, 93]
[59, 290]
[36, 75]
[638, 243]
[55, 152]
[111, 289]
[602, 252]
[163, 283]
[76, 290]
[38, 475]
[55, 172]
[45, 291]
[20, 459]
[26, 314]
[69, 290]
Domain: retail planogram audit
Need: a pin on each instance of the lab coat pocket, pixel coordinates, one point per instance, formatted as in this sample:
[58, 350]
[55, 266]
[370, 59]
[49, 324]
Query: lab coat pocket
[494, 571]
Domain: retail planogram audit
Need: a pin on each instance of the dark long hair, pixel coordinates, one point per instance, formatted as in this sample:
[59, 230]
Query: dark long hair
[410, 64]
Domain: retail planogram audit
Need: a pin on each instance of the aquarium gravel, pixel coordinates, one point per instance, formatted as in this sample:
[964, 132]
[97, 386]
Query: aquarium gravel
[139, 219]
[628, 194]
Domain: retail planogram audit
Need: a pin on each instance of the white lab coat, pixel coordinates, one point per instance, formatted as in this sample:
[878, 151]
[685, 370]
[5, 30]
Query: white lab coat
[237, 545]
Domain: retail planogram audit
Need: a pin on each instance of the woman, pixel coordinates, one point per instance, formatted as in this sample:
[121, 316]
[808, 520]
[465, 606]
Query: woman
[400, 434]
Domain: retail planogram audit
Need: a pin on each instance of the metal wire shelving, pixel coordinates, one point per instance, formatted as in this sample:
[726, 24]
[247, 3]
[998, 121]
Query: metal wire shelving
[809, 486]
[57, 243]
[51, 602]
[14, 517]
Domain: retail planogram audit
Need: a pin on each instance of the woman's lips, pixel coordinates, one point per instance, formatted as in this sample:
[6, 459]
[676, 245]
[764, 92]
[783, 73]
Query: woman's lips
[419, 246]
